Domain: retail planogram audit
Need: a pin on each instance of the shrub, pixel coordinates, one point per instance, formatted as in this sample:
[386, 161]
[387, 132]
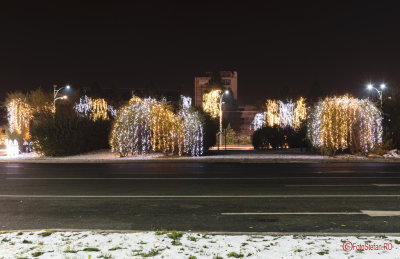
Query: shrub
[268, 136]
[296, 138]
[65, 133]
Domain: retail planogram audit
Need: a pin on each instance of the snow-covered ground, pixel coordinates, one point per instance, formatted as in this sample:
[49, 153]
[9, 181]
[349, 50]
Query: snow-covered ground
[47, 244]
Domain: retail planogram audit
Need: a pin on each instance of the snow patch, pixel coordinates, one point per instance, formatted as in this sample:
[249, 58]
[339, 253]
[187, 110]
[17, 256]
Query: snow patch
[45, 244]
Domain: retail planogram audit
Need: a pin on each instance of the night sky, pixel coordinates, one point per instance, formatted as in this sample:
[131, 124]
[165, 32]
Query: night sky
[273, 45]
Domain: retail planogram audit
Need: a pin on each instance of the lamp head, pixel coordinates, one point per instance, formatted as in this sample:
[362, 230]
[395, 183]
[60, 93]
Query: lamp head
[65, 97]
[68, 87]
[369, 86]
[383, 86]
[226, 92]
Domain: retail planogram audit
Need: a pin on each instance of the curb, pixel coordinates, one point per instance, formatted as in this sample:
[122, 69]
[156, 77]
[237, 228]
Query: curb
[229, 233]
[194, 160]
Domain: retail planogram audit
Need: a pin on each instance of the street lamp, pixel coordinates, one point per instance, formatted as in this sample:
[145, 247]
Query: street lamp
[220, 116]
[56, 93]
[380, 92]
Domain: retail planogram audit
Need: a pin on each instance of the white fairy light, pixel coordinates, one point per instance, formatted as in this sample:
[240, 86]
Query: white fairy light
[84, 107]
[94, 108]
[12, 148]
[258, 121]
[193, 128]
[286, 114]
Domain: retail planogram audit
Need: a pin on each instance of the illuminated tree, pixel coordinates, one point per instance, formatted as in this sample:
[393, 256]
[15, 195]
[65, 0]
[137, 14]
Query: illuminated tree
[193, 128]
[285, 114]
[211, 103]
[94, 109]
[19, 114]
[300, 113]
[148, 125]
[99, 109]
[272, 115]
[22, 108]
[258, 121]
[340, 123]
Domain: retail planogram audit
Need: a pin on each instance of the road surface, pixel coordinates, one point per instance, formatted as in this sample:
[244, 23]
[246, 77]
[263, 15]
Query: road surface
[209, 197]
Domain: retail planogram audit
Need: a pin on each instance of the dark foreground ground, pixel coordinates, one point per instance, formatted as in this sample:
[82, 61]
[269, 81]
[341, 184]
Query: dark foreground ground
[201, 197]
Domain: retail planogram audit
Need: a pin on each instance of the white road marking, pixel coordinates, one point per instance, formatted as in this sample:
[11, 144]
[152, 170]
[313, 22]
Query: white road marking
[381, 213]
[386, 185]
[193, 178]
[203, 196]
[327, 185]
[291, 213]
[371, 213]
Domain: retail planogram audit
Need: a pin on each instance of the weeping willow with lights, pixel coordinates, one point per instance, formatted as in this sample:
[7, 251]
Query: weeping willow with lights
[94, 109]
[193, 128]
[211, 103]
[340, 123]
[19, 115]
[148, 125]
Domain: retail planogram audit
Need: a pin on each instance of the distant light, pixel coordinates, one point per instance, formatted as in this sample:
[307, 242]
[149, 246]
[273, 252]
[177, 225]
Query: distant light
[369, 86]
[226, 92]
[65, 97]
[383, 86]
[68, 87]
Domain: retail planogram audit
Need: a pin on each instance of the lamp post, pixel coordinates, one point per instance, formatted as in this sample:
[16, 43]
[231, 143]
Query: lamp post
[380, 92]
[56, 93]
[220, 116]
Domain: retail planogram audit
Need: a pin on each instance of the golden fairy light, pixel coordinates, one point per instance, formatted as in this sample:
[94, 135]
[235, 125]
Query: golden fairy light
[99, 109]
[94, 109]
[272, 113]
[339, 123]
[19, 115]
[211, 103]
[300, 113]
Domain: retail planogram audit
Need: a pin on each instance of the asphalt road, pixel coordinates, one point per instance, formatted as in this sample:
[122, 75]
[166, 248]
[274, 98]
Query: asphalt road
[227, 197]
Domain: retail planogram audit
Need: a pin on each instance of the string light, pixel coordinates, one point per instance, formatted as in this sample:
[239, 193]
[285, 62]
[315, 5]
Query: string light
[148, 125]
[211, 103]
[19, 115]
[258, 121]
[12, 148]
[193, 128]
[340, 123]
[99, 109]
[272, 116]
[284, 114]
[300, 113]
[94, 109]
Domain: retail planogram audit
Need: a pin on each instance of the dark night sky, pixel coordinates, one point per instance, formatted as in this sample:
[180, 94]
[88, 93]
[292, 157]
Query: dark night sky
[273, 44]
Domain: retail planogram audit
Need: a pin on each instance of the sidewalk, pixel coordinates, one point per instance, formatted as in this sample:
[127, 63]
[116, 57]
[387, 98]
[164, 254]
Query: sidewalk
[251, 156]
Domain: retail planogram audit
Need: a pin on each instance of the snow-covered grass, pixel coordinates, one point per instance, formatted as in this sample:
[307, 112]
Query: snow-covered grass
[45, 244]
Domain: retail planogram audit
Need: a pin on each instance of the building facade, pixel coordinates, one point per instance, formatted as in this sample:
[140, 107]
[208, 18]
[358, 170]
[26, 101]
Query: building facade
[228, 78]
[240, 117]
